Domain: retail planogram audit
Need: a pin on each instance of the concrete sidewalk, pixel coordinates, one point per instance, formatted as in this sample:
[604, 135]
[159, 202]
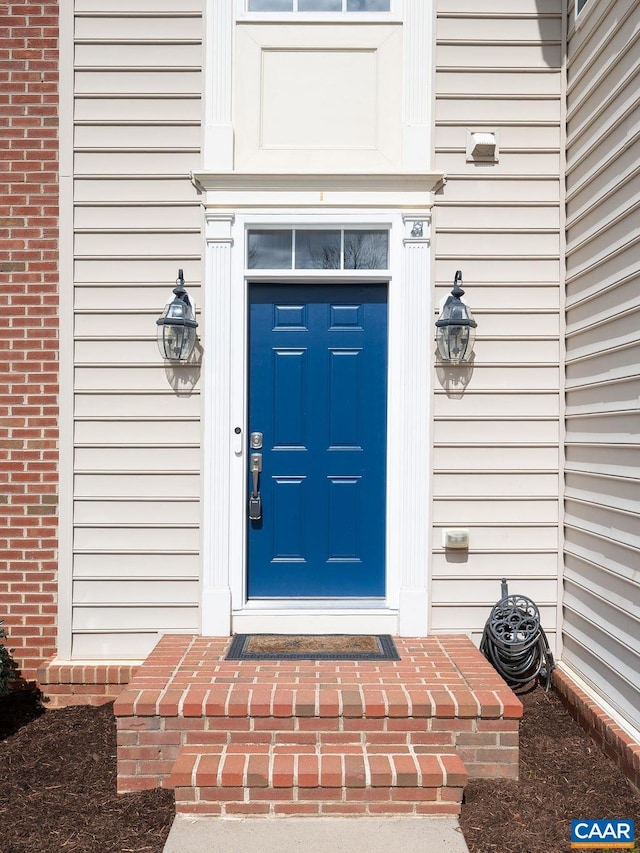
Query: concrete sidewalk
[316, 835]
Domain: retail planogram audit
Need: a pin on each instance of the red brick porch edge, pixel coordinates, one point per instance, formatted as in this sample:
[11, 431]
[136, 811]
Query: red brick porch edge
[83, 683]
[620, 747]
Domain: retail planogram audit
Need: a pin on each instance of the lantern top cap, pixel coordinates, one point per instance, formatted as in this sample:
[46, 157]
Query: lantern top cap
[180, 311]
[457, 281]
[455, 312]
[179, 289]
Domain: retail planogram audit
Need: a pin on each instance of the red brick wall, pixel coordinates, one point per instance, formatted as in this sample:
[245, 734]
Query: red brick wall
[28, 327]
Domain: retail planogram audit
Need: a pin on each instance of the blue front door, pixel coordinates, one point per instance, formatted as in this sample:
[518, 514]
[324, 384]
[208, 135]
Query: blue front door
[318, 393]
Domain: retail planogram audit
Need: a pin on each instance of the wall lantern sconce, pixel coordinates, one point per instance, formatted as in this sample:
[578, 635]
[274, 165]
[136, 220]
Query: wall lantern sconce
[177, 326]
[455, 328]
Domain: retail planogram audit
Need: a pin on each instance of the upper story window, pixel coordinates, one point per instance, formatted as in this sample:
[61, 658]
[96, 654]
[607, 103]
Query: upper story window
[318, 5]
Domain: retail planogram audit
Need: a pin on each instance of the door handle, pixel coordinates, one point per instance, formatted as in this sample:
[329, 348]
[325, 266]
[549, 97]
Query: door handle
[256, 468]
[255, 501]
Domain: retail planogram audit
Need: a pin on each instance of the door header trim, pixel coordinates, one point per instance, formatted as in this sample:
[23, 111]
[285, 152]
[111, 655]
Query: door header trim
[241, 191]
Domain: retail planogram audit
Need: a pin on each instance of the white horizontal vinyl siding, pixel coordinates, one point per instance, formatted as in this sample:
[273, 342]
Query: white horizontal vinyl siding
[137, 219]
[601, 632]
[496, 442]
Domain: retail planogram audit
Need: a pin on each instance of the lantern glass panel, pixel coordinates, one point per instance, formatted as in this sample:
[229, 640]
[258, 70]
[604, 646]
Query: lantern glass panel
[176, 342]
[455, 343]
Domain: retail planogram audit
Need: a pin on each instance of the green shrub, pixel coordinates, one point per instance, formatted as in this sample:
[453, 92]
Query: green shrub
[8, 667]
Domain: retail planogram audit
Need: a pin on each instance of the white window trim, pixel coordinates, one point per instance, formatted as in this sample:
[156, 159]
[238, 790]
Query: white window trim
[225, 606]
[393, 15]
[418, 17]
[366, 273]
[581, 15]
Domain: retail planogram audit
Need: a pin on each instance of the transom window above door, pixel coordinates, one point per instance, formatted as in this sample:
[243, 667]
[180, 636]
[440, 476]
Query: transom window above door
[318, 5]
[317, 249]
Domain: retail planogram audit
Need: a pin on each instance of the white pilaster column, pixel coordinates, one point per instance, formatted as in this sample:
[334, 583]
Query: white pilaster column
[217, 443]
[415, 440]
[218, 70]
[418, 73]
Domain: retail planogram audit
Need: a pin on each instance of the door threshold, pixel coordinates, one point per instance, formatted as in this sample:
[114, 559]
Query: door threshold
[321, 621]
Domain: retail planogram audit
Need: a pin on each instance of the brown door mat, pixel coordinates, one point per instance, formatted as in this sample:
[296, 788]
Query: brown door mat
[312, 647]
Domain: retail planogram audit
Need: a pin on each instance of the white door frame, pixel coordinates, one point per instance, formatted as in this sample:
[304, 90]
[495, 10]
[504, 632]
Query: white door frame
[224, 609]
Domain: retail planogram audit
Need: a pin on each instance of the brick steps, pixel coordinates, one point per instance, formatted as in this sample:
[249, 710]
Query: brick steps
[303, 779]
[384, 733]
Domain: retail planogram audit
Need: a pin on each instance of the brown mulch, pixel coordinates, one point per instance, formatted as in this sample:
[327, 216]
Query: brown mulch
[58, 786]
[563, 776]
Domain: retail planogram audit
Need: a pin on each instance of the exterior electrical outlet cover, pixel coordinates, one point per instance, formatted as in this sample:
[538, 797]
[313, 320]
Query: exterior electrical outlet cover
[455, 537]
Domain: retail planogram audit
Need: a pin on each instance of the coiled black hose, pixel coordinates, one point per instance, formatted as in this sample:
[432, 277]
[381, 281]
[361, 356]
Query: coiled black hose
[514, 641]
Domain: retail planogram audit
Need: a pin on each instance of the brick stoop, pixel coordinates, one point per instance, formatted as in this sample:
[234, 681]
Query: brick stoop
[335, 777]
[65, 683]
[416, 726]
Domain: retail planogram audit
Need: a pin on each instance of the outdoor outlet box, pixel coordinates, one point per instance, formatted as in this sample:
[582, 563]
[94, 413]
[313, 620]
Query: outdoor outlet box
[455, 537]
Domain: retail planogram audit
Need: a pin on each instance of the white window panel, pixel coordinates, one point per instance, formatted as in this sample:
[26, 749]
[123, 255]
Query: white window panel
[314, 248]
[318, 5]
